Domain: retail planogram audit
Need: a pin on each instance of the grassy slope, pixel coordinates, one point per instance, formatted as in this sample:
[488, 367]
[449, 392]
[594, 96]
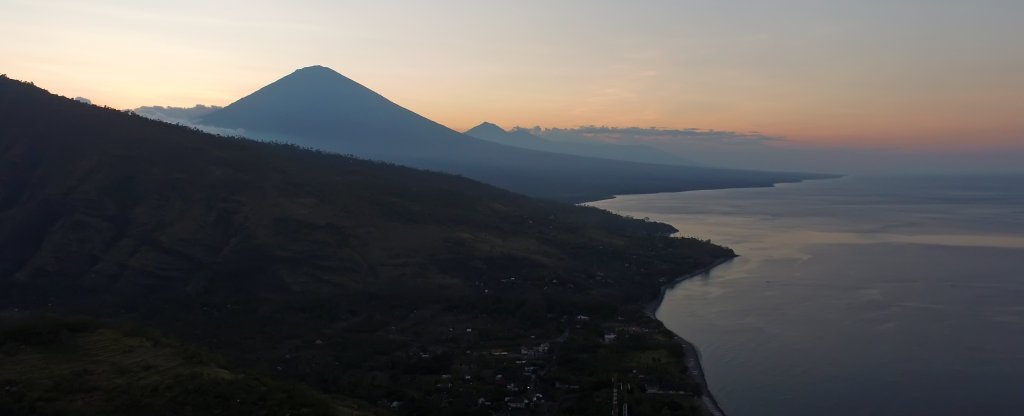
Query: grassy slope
[81, 367]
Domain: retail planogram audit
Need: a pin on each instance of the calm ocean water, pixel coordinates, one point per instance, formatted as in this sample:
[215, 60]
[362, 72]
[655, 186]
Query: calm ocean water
[856, 296]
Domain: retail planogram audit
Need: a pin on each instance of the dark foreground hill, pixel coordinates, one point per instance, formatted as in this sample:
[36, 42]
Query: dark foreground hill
[319, 108]
[82, 367]
[417, 292]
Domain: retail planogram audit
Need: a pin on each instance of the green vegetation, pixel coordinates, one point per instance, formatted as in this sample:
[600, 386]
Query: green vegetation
[82, 367]
[637, 357]
[409, 290]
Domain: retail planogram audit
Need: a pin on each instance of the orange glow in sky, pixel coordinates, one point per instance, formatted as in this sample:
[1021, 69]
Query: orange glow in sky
[937, 73]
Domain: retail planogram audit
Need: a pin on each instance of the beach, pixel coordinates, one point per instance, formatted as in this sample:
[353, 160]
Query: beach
[693, 361]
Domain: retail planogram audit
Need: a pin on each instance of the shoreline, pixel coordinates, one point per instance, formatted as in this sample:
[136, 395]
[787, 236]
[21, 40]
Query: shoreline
[652, 307]
[586, 200]
[693, 361]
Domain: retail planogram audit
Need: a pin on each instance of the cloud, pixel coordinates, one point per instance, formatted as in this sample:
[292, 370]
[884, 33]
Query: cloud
[176, 114]
[187, 116]
[655, 134]
[754, 150]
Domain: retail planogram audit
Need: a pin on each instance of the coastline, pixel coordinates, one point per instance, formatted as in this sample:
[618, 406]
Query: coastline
[586, 200]
[692, 359]
[694, 366]
[652, 307]
[693, 362]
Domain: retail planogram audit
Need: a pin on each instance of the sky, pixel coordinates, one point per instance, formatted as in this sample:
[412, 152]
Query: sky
[908, 75]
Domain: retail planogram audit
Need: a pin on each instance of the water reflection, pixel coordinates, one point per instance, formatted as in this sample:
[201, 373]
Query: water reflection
[856, 296]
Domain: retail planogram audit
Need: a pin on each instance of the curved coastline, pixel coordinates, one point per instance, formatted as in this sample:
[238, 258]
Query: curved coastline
[693, 362]
[585, 200]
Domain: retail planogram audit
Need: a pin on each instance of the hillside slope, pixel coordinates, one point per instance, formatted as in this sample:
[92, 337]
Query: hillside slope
[336, 272]
[81, 367]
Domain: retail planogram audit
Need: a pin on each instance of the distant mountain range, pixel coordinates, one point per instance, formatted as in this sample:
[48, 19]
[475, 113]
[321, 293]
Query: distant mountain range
[519, 137]
[319, 108]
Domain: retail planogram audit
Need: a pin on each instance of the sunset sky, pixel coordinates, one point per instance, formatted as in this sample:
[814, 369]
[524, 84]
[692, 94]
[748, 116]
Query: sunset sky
[936, 74]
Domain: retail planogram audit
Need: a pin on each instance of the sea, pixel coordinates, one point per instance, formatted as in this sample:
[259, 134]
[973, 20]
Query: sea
[865, 295]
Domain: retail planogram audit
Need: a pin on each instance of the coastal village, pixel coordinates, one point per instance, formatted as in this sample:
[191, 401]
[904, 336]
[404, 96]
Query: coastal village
[622, 366]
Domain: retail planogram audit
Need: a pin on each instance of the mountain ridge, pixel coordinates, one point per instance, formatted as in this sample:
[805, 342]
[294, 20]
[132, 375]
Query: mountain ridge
[320, 108]
[317, 94]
